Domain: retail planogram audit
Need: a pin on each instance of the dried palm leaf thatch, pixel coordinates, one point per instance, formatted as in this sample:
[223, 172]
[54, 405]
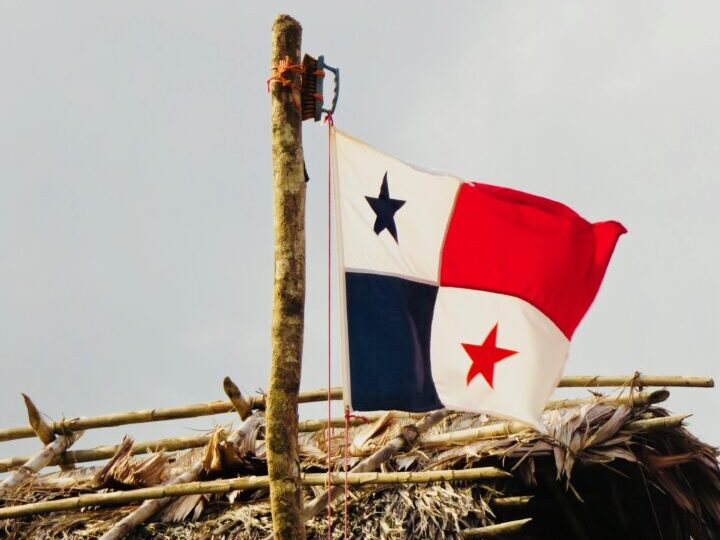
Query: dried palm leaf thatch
[607, 468]
[183, 443]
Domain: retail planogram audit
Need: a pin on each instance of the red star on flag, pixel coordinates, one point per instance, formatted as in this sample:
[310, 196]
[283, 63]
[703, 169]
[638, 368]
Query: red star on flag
[485, 356]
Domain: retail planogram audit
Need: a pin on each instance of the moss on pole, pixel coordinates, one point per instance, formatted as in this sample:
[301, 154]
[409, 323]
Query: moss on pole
[288, 287]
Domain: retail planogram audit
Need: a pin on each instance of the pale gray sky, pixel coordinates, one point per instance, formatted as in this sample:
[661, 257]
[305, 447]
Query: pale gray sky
[135, 179]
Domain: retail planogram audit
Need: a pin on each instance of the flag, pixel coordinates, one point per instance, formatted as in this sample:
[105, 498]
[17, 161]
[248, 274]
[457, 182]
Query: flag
[456, 294]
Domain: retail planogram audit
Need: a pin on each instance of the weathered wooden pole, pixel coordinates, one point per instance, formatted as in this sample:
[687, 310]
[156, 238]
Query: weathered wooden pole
[289, 283]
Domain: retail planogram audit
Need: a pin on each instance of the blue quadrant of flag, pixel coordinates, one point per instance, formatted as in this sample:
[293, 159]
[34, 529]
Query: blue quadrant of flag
[389, 322]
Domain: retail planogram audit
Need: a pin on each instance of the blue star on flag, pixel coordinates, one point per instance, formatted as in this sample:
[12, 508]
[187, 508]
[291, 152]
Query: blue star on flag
[385, 209]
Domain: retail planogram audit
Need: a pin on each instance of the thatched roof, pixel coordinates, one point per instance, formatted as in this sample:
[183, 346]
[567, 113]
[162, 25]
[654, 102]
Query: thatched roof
[604, 470]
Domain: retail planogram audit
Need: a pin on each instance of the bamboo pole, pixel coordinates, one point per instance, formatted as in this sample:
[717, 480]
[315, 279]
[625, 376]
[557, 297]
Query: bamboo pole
[124, 418]
[313, 396]
[511, 502]
[248, 482]
[106, 452]
[505, 429]
[40, 460]
[636, 399]
[494, 531]
[592, 381]
[171, 444]
[288, 284]
[654, 424]
[149, 507]
[339, 422]
[157, 415]
[464, 436]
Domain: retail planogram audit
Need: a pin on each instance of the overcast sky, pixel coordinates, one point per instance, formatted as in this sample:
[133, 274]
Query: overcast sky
[135, 180]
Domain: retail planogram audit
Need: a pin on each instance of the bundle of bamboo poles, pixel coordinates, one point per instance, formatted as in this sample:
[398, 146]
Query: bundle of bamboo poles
[196, 441]
[44, 430]
[258, 402]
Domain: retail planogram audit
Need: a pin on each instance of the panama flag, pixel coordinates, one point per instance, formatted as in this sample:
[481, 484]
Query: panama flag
[456, 294]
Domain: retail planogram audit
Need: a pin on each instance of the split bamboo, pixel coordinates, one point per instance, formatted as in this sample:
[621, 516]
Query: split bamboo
[149, 507]
[248, 482]
[40, 460]
[242, 405]
[313, 396]
[40, 427]
[495, 531]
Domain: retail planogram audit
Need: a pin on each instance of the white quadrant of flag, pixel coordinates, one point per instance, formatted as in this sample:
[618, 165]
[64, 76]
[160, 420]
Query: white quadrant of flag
[519, 384]
[421, 222]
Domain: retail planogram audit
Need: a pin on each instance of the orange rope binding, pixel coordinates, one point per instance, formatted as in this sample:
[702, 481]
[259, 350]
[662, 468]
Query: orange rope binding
[281, 68]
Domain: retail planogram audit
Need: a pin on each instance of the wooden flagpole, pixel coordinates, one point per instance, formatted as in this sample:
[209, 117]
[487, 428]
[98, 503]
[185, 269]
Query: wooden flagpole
[289, 282]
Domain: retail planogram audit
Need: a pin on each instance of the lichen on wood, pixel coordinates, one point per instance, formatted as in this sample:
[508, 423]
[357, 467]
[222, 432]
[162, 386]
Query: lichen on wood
[288, 287]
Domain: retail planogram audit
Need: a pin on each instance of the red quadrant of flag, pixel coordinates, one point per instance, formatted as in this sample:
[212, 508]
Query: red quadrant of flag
[506, 241]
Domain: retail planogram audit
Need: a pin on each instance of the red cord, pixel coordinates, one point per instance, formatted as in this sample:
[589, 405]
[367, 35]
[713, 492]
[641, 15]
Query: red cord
[347, 443]
[348, 416]
[329, 121]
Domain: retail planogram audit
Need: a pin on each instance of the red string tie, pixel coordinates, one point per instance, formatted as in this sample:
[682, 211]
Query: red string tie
[349, 416]
[328, 120]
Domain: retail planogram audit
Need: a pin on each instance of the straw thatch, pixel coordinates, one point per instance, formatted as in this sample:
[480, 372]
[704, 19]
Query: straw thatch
[605, 469]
